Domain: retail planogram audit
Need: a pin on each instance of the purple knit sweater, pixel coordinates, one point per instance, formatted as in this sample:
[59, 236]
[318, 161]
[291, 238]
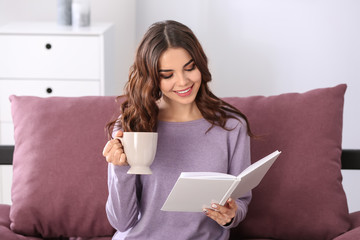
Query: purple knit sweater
[134, 202]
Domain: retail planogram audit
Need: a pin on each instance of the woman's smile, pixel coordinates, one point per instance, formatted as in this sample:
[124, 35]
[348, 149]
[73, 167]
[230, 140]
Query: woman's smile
[184, 93]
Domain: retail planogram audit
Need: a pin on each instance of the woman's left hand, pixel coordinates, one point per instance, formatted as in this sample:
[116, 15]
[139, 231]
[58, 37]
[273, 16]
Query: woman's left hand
[222, 214]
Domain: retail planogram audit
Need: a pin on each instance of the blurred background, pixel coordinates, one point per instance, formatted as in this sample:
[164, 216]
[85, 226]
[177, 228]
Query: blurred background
[256, 47]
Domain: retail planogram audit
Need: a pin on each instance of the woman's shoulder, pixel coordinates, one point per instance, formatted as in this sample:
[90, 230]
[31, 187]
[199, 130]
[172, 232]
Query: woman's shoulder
[235, 121]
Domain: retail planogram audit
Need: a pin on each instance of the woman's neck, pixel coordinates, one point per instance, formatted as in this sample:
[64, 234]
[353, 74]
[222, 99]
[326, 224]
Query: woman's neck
[173, 112]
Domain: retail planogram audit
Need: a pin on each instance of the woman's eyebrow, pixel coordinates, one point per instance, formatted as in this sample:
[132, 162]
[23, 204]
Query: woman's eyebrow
[170, 70]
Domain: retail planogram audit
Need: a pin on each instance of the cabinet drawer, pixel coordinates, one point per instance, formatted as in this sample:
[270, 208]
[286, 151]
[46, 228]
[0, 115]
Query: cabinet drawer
[42, 89]
[50, 56]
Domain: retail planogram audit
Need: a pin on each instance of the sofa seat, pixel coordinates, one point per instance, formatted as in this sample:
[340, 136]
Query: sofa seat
[354, 233]
[7, 234]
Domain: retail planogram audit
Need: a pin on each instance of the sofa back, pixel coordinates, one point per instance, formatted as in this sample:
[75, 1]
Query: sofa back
[59, 179]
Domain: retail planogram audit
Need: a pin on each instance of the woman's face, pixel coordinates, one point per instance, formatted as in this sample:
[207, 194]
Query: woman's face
[180, 78]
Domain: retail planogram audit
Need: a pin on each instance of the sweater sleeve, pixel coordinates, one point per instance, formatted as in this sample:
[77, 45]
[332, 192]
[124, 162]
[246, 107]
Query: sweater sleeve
[239, 160]
[122, 206]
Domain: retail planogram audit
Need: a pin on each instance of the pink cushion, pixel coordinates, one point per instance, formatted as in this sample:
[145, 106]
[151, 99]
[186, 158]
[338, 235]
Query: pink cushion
[60, 176]
[301, 197]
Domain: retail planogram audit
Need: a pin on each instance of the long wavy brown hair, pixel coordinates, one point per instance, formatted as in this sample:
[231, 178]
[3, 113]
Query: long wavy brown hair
[139, 111]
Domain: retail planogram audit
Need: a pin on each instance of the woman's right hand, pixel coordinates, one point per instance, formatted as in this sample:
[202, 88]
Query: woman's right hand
[114, 152]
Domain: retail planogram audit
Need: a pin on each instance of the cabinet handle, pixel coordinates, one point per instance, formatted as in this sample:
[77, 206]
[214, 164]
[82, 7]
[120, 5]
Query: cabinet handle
[48, 46]
[49, 90]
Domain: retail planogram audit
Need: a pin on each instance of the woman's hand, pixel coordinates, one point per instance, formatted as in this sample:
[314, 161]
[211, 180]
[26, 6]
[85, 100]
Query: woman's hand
[114, 152]
[223, 215]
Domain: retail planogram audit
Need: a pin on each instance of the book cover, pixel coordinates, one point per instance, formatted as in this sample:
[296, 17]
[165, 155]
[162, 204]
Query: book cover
[194, 191]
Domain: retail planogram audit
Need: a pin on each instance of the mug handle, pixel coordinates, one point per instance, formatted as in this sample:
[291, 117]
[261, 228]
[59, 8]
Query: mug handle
[120, 138]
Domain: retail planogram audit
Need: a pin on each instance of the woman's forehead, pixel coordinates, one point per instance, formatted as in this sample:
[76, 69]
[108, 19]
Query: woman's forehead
[174, 57]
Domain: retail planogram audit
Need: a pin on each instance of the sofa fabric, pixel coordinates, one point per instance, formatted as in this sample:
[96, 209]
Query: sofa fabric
[5, 231]
[301, 197]
[59, 173]
[350, 235]
[355, 219]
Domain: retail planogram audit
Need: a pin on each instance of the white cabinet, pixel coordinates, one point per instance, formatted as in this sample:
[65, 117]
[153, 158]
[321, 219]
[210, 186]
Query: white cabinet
[45, 59]
[59, 57]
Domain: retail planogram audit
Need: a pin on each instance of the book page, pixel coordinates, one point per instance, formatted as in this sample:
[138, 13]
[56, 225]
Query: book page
[252, 176]
[257, 164]
[192, 195]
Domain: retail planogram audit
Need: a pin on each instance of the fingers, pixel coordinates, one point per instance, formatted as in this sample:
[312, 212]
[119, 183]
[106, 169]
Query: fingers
[119, 158]
[231, 204]
[114, 153]
[222, 214]
[119, 133]
[107, 148]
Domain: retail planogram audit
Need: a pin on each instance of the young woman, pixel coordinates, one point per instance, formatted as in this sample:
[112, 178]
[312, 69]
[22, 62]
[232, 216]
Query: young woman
[168, 92]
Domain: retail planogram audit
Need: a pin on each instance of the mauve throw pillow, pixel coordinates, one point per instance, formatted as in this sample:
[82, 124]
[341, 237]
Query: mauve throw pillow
[301, 197]
[59, 174]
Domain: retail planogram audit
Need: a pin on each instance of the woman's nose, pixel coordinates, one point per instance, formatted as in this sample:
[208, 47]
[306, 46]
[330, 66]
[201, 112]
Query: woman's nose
[182, 79]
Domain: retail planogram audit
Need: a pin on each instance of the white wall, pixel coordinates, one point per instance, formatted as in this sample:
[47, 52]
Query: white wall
[254, 46]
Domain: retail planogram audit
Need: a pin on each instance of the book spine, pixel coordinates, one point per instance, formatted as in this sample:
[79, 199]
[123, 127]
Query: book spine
[229, 192]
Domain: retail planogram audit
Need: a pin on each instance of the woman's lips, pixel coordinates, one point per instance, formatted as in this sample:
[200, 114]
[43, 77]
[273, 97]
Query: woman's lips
[185, 92]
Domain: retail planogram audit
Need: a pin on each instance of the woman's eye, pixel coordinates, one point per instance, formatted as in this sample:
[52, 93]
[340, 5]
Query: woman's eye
[191, 68]
[166, 76]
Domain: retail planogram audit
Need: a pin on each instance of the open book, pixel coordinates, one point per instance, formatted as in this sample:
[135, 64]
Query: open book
[194, 191]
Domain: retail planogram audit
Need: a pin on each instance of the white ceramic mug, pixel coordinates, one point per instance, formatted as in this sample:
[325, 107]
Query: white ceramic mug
[140, 150]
